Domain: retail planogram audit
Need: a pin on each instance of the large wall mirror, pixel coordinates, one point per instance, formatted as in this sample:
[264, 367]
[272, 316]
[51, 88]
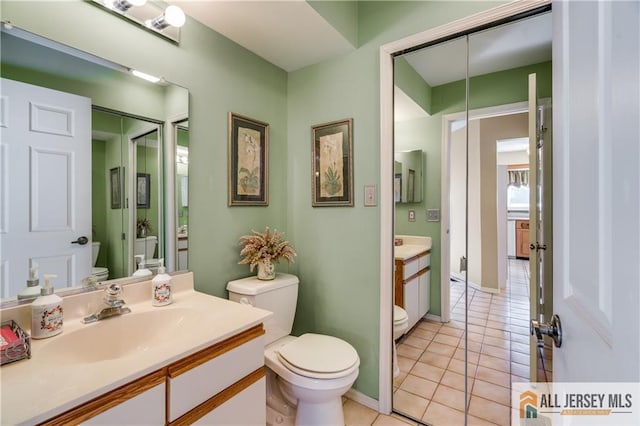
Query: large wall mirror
[92, 212]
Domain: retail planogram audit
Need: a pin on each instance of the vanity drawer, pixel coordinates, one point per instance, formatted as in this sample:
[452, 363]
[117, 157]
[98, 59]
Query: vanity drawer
[411, 268]
[424, 261]
[136, 410]
[195, 379]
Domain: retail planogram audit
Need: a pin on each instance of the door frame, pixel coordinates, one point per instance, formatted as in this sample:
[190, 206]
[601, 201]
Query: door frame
[387, 53]
[445, 240]
[139, 131]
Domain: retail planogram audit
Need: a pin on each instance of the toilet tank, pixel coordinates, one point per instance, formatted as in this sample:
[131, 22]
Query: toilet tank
[146, 246]
[279, 296]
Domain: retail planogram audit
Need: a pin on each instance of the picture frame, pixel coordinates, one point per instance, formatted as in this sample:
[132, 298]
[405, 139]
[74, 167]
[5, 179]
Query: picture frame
[115, 186]
[332, 164]
[143, 190]
[248, 161]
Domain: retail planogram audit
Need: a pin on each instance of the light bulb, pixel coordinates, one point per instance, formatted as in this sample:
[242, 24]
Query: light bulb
[145, 76]
[174, 16]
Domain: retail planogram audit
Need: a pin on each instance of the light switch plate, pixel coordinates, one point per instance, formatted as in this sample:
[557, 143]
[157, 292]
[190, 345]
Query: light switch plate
[412, 215]
[370, 199]
[433, 215]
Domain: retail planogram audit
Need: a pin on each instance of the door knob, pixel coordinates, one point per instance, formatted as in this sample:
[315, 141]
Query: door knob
[81, 240]
[552, 329]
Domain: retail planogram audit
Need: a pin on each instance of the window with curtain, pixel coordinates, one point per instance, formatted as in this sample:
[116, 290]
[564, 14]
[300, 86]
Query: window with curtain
[518, 190]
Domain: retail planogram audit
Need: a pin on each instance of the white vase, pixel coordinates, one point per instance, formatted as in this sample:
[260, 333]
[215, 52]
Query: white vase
[266, 270]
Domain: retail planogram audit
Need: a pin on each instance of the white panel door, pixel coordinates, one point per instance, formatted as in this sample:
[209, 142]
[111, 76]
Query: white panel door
[46, 185]
[596, 77]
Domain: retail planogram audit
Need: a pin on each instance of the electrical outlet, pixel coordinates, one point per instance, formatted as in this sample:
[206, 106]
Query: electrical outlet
[412, 215]
[433, 215]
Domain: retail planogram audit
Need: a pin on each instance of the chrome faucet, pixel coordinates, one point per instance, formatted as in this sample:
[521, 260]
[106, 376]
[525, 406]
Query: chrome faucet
[112, 305]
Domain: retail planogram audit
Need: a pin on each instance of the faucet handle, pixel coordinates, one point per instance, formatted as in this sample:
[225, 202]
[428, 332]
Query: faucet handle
[113, 291]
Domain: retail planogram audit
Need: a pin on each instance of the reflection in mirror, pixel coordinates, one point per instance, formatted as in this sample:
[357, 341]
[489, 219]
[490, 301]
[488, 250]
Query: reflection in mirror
[116, 113]
[429, 83]
[182, 195]
[475, 116]
[408, 176]
[146, 156]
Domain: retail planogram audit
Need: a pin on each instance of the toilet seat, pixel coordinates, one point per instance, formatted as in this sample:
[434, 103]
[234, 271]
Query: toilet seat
[399, 315]
[319, 356]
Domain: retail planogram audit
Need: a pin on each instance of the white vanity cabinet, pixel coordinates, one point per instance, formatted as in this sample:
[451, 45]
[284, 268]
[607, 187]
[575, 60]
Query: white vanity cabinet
[183, 253]
[221, 384]
[412, 285]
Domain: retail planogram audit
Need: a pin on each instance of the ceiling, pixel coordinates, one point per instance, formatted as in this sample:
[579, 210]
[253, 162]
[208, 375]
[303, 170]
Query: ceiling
[290, 34]
[508, 46]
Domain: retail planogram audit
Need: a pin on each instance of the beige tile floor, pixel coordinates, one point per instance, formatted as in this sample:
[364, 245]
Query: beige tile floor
[431, 357]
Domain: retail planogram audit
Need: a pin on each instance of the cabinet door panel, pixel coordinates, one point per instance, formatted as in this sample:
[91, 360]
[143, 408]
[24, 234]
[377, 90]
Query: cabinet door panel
[411, 300]
[246, 408]
[425, 289]
[198, 384]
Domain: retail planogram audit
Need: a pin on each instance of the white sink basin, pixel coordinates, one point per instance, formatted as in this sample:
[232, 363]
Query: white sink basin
[121, 336]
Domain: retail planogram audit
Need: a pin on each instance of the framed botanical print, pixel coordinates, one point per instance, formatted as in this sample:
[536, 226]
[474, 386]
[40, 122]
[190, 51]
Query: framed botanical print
[332, 164]
[143, 190]
[248, 161]
[115, 186]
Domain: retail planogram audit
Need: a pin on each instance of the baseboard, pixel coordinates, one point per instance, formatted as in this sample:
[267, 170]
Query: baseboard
[362, 399]
[474, 285]
[433, 317]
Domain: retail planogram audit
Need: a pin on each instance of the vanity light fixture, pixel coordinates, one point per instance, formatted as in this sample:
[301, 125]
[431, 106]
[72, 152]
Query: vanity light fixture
[172, 15]
[123, 5]
[145, 76]
[149, 15]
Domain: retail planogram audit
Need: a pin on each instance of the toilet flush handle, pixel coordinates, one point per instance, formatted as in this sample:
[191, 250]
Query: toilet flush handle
[245, 301]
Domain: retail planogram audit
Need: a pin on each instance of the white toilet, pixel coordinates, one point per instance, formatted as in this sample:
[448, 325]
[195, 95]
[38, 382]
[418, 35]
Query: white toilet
[306, 375]
[100, 273]
[147, 247]
[400, 325]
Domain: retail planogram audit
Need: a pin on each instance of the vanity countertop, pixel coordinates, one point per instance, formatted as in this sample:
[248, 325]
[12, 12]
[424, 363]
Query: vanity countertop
[39, 388]
[411, 246]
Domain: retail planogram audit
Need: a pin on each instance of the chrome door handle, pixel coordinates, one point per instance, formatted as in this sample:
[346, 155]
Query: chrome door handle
[552, 329]
[81, 240]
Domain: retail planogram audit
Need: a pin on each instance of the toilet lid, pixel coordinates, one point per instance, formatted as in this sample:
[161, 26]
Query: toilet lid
[399, 314]
[99, 271]
[318, 353]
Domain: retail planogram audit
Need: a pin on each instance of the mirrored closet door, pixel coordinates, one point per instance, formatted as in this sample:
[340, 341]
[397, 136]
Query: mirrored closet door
[464, 103]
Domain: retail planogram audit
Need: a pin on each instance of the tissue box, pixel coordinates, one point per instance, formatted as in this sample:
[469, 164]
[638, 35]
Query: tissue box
[15, 343]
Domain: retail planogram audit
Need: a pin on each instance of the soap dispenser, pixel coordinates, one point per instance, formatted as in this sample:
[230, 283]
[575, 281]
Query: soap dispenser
[46, 312]
[142, 271]
[33, 286]
[161, 287]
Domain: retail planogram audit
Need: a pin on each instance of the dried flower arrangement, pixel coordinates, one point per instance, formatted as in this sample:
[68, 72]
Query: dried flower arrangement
[265, 247]
[143, 227]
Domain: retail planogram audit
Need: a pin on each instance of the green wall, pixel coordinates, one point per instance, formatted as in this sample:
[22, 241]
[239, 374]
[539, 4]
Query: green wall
[338, 261]
[339, 247]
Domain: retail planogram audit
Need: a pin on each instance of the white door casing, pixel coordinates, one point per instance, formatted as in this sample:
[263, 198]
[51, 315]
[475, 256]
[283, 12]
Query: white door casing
[596, 92]
[46, 185]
